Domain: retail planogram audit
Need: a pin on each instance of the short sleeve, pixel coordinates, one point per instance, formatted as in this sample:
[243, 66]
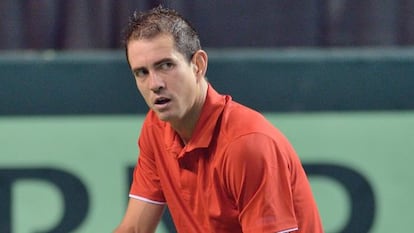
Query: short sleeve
[146, 182]
[257, 178]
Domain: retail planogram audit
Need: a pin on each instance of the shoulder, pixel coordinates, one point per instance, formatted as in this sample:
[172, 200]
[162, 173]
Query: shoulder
[254, 149]
[151, 128]
[151, 120]
[239, 120]
[249, 137]
[152, 124]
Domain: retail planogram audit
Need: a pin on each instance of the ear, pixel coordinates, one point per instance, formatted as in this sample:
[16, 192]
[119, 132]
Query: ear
[200, 60]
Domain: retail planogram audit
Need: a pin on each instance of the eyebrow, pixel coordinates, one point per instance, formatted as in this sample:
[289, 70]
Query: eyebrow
[158, 63]
[155, 64]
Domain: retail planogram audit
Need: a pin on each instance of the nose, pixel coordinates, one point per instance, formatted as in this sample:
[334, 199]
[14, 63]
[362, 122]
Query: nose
[155, 82]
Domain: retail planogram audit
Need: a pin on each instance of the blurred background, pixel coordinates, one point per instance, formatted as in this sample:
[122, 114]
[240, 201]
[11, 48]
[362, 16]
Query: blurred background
[336, 76]
[97, 24]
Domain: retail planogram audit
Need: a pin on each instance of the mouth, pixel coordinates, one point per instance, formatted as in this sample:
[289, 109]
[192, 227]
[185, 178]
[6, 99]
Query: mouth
[161, 101]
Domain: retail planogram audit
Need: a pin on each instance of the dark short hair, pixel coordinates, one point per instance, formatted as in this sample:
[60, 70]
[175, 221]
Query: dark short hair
[160, 20]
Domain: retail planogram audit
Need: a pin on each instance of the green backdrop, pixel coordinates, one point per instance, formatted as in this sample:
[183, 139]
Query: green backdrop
[99, 149]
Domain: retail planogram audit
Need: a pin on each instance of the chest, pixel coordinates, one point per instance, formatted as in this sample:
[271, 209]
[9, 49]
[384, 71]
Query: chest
[194, 176]
[194, 187]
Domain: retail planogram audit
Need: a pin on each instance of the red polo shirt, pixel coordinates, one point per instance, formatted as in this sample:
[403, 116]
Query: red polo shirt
[238, 173]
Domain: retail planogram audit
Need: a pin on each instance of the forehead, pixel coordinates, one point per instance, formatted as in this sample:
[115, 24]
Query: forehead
[150, 50]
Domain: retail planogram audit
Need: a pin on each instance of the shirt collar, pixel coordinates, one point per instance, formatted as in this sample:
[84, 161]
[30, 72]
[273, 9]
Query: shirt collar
[204, 130]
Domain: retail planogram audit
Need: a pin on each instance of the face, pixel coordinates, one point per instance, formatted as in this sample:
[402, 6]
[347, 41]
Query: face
[169, 84]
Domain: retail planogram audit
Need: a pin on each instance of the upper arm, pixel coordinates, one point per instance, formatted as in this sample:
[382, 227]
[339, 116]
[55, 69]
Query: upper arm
[257, 177]
[256, 169]
[140, 216]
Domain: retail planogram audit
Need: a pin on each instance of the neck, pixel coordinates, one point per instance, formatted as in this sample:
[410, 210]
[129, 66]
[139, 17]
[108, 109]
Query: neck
[186, 126]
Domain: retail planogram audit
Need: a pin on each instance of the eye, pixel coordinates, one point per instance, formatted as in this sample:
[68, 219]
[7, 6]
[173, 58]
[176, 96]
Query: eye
[140, 73]
[166, 65]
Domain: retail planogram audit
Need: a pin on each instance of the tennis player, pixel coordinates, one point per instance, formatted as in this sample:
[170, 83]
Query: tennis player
[219, 166]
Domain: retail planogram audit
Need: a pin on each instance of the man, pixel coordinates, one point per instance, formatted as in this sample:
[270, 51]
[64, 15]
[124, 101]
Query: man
[219, 166]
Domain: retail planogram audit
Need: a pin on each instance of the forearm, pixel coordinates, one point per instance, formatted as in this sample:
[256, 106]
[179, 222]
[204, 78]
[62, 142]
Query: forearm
[140, 217]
